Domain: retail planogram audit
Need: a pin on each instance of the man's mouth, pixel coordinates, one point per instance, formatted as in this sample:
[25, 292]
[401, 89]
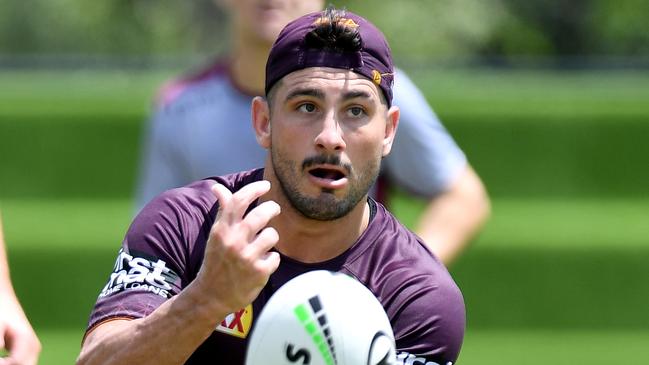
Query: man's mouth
[328, 176]
[327, 173]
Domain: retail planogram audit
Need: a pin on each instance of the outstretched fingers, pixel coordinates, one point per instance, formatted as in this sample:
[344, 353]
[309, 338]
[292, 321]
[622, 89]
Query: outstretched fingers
[238, 246]
[232, 207]
[246, 235]
[259, 217]
[262, 244]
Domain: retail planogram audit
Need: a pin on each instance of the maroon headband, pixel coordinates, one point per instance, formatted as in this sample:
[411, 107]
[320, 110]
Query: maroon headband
[373, 60]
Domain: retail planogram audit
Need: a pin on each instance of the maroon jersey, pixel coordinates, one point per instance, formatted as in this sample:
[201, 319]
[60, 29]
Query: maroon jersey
[164, 247]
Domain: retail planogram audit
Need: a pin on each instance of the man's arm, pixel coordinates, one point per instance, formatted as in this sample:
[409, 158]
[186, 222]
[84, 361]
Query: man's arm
[169, 335]
[16, 334]
[161, 164]
[452, 218]
[234, 253]
[427, 162]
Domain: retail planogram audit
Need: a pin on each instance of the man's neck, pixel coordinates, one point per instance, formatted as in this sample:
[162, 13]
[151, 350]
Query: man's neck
[312, 241]
[248, 68]
[308, 240]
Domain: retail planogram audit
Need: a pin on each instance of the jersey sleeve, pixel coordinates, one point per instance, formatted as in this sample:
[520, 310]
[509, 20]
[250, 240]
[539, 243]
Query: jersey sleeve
[156, 260]
[162, 163]
[424, 159]
[429, 325]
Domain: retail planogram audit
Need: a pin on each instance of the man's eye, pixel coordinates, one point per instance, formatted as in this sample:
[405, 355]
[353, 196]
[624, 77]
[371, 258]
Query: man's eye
[356, 111]
[307, 108]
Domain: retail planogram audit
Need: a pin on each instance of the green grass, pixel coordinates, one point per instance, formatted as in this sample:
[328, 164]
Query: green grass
[548, 263]
[32, 225]
[78, 93]
[484, 93]
[557, 224]
[532, 347]
[60, 346]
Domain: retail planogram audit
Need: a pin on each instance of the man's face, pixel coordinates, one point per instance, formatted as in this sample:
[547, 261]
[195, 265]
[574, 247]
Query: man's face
[262, 20]
[329, 129]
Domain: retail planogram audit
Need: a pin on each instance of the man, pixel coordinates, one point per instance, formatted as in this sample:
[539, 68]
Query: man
[16, 334]
[199, 262]
[201, 128]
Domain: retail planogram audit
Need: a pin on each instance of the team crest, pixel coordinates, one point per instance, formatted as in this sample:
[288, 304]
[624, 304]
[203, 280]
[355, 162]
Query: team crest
[376, 77]
[238, 323]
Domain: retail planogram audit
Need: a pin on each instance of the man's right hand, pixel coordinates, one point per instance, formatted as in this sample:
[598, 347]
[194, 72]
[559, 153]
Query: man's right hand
[237, 262]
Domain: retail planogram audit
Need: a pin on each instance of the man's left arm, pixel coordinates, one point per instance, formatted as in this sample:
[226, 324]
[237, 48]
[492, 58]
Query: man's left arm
[427, 162]
[452, 218]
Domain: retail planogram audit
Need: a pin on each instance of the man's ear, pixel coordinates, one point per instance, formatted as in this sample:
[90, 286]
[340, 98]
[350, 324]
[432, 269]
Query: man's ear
[391, 124]
[261, 121]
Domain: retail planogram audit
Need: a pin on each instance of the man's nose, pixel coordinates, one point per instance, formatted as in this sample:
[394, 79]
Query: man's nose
[330, 138]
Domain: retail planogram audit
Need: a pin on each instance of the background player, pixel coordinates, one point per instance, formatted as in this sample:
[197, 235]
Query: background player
[200, 257]
[16, 334]
[201, 127]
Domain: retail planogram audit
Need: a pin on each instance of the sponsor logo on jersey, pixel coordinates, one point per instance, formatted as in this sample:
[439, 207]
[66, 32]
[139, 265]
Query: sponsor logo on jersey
[133, 272]
[238, 323]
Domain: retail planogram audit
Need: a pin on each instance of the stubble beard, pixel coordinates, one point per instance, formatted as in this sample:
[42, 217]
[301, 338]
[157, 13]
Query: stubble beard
[326, 206]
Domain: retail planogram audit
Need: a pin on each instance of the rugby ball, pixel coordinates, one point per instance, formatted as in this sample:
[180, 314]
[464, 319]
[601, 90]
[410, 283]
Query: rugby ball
[322, 318]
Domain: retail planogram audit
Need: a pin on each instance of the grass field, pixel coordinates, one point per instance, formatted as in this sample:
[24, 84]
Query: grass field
[559, 275]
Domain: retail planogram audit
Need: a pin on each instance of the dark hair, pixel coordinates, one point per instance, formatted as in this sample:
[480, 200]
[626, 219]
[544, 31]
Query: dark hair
[334, 33]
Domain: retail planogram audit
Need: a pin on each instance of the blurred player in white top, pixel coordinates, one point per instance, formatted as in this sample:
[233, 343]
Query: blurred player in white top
[202, 127]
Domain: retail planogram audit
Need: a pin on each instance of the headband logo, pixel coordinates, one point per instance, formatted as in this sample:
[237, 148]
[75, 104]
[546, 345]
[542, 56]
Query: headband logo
[345, 22]
[376, 77]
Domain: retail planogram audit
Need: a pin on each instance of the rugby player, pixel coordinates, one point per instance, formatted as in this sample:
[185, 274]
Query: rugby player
[201, 127]
[199, 262]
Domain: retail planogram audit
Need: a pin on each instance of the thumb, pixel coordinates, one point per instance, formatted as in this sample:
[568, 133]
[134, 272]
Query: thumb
[22, 351]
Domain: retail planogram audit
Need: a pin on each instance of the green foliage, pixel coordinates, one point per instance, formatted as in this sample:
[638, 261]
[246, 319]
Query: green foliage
[595, 28]
[138, 27]
[419, 30]
[423, 29]
[622, 27]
